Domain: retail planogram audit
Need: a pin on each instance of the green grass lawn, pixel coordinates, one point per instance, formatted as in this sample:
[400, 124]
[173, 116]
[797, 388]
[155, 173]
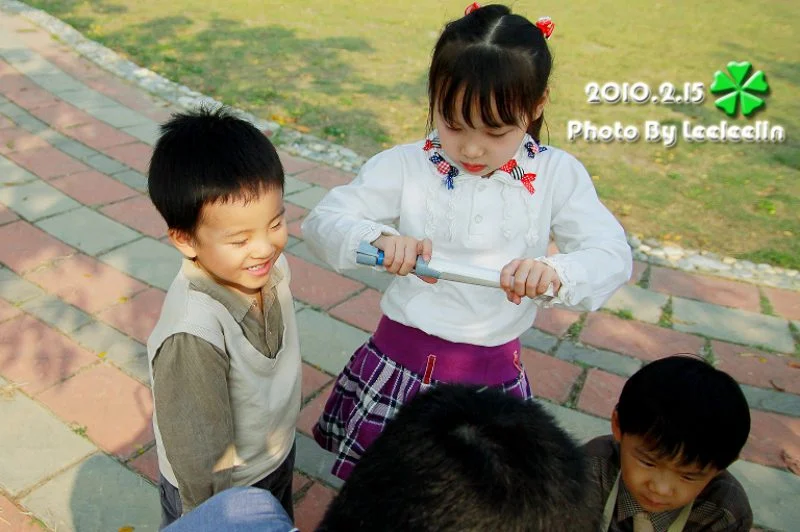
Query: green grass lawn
[355, 72]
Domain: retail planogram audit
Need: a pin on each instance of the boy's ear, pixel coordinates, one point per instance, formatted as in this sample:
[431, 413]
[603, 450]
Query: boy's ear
[615, 430]
[184, 242]
[540, 106]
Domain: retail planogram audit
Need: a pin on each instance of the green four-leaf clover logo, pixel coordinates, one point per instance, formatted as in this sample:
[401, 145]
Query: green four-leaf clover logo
[741, 90]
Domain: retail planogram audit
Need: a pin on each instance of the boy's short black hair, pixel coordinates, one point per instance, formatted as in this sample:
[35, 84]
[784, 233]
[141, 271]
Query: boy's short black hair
[687, 410]
[459, 459]
[205, 156]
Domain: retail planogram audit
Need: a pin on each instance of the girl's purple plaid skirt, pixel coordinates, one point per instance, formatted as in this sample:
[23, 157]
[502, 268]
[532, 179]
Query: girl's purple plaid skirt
[368, 393]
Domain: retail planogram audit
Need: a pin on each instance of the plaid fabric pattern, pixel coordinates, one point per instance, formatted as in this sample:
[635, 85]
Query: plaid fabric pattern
[368, 393]
[721, 506]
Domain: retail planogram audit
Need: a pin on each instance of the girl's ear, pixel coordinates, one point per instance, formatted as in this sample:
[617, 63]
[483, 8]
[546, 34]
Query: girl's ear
[540, 106]
[184, 242]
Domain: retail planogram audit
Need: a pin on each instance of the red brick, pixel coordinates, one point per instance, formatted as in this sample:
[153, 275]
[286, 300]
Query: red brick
[14, 139]
[640, 340]
[785, 303]
[313, 380]
[136, 155]
[773, 438]
[325, 176]
[61, 115]
[310, 413]
[93, 188]
[299, 482]
[25, 246]
[120, 91]
[294, 229]
[8, 311]
[549, 377]
[137, 316]
[309, 511]
[600, 393]
[87, 283]
[317, 286]
[294, 212]
[718, 291]
[294, 165]
[99, 135]
[29, 96]
[362, 311]
[754, 367]
[555, 321]
[115, 409]
[13, 519]
[146, 464]
[140, 213]
[47, 163]
[36, 356]
[638, 269]
[7, 215]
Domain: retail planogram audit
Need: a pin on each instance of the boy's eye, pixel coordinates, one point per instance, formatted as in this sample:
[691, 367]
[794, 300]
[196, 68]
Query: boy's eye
[277, 225]
[646, 463]
[239, 243]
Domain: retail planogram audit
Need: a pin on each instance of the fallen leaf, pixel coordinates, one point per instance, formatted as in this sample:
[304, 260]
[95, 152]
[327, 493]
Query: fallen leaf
[795, 365]
[126, 529]
[302, 129]
[779, 388]
[102, 354]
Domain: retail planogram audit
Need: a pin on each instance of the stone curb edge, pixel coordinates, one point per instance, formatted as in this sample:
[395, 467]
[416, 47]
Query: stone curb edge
[319, 150]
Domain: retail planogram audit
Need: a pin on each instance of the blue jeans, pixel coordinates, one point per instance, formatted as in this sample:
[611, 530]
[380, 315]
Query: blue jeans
[236, 509]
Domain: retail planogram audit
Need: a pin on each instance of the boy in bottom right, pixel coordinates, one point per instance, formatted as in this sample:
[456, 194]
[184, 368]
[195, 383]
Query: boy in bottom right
[678, 425]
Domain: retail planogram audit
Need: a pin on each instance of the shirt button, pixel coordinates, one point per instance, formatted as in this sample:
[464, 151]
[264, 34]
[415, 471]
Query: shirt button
[478, 219]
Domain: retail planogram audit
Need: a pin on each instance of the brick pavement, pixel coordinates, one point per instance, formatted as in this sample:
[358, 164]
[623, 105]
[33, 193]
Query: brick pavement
[83, 270]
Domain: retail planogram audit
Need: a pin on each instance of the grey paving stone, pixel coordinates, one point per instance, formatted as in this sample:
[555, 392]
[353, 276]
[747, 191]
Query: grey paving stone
[133, 179]
[732, 325]
[583, 427]
[36, 200]
[104, 164]
[33, 125]
[74, 148]
[48, 445]
[118, 115]
[88, 230]
[293, 241]
[301, 250]
[86, 99]
[57, 82]
[643, 304]
[772, 493]
[377, 279]
[147, 132]
[10, 173]
[12, 110]
[57, 313]
[110, 344]
[315, 461]
[293, 185]
[536, 339]
[307, 198]
[325, 342]
[772, 400]
[15, 289]
[146, 259]
[598, 358]
[27, 61]
[97, 494]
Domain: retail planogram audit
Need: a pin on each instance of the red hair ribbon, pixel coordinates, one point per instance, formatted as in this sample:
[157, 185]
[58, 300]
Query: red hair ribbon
[546, 25]
[472, 7]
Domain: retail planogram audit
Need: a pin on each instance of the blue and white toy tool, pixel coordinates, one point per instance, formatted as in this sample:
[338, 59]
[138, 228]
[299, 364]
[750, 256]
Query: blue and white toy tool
[369, 255]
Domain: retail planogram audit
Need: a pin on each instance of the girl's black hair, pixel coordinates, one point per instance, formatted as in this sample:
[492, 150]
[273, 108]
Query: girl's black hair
[499, 61]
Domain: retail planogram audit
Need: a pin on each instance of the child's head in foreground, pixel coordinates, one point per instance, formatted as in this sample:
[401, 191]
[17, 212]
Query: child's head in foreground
[679, 422]
[458, 459]
[487, 85]
[218, 183]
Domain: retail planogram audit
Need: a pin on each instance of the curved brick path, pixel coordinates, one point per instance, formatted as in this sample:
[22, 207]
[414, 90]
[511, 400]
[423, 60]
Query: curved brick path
[84, 266]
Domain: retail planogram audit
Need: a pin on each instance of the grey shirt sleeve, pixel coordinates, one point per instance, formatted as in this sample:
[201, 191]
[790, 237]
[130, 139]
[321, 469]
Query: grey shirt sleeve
[190, 390]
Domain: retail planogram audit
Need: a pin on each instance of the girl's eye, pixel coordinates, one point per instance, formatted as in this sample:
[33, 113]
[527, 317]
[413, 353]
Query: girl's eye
[239, 243]
[451, 127]
[498, 134]
[278, 225]
[646, 463]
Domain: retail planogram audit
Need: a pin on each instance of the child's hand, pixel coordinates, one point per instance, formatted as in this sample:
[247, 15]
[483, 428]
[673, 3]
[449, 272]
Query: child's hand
[400, 253]
[527, 277]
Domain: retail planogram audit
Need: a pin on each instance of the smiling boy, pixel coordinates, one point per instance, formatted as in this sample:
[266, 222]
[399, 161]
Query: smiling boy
[224, 355]
[678, 425]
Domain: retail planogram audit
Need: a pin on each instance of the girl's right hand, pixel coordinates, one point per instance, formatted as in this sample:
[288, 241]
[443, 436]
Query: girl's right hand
[400, 252]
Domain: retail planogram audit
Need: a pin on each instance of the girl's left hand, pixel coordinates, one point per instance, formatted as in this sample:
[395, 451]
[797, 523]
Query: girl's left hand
[527, 277]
